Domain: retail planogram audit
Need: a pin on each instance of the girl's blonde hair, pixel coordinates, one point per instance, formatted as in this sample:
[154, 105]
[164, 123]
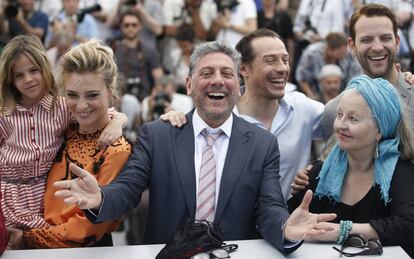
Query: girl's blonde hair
[91, 57]
[34, 50]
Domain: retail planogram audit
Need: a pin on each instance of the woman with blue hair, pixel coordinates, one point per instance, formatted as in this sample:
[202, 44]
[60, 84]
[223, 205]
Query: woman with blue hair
[367, 175]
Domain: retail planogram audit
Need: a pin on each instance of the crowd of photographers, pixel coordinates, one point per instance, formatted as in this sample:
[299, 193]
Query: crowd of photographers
[153, 39]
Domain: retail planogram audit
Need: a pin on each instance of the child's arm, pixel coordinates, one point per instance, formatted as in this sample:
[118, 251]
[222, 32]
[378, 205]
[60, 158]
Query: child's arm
[114, 129]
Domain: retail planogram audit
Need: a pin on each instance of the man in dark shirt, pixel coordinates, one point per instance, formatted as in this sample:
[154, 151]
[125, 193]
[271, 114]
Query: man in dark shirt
[28, 21]
[137, 60]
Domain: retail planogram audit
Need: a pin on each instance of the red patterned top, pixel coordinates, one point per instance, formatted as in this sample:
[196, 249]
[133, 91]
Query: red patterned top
[29, 141]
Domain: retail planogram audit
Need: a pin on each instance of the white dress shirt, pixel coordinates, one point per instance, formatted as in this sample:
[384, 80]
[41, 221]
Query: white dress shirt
[220, 147]
[296, 123]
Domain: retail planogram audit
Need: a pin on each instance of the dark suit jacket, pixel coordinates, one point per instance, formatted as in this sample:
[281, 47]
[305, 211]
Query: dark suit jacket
[250, 198]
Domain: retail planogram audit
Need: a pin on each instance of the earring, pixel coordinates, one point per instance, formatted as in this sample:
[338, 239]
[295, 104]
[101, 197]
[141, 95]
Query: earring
[376, 151]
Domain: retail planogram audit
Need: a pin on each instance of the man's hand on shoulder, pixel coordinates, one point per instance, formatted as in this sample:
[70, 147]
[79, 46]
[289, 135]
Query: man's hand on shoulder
[408, 76]
[176, 118]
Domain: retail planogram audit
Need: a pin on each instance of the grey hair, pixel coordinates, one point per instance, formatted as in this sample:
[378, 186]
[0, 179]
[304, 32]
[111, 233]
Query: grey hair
[212, 47]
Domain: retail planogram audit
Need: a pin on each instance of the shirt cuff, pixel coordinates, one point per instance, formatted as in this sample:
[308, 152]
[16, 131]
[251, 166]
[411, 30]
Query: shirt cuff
[287, 244]
[95, 212]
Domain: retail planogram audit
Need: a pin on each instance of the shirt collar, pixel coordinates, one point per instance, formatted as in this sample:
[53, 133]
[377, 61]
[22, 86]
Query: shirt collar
[46, 102]
[199, 124]
[284, 107]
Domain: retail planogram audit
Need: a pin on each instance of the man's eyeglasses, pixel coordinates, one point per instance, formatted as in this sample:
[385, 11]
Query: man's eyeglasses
[126, 25]
[371, 247]
[222, 252]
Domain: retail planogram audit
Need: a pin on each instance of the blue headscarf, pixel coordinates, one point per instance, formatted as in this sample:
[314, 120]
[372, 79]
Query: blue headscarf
[384, 103]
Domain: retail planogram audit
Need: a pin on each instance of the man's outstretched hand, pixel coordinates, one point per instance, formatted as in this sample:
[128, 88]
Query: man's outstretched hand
[303, 225]
[83, 191]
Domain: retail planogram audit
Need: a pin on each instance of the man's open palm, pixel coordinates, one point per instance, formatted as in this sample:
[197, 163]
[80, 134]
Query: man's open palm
[83, 191]
[303, 225]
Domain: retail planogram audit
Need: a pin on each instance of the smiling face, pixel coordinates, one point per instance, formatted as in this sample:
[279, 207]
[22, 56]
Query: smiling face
[375, 46]
[355, 128]
[28, 80]
[214, 87]
[87, 98]
[267, 74]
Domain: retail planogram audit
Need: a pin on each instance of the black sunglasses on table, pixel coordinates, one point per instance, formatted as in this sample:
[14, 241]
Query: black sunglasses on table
[371, 247]
[222, 252]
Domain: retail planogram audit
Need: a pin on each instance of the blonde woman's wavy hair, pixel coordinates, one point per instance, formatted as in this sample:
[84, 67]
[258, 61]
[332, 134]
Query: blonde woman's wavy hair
[91, 57]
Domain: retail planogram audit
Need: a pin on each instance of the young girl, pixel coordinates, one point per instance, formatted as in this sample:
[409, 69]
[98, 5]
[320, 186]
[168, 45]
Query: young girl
[33, 118]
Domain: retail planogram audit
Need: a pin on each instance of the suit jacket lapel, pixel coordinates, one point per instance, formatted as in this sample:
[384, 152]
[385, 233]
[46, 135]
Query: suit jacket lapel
[239, 148]
[183, 141]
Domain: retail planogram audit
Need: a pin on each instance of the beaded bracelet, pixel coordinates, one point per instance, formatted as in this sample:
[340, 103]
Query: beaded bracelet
[345, 227]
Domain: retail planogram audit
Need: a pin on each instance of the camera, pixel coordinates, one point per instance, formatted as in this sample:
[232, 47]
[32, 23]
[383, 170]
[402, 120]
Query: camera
[81, 14]
[159, 102]
[226, 4]
[133, 85]
[12, 9]
[309, 32]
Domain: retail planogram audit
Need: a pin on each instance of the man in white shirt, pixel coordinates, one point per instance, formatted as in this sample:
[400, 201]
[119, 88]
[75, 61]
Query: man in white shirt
[294, 118]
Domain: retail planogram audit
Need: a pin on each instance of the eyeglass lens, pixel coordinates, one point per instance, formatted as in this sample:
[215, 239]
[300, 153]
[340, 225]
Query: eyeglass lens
[356, 240]
[126, 25]
[217, 253]
[201, 256]
[223, 252]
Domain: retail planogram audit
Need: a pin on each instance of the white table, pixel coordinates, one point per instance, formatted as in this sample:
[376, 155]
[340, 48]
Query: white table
[248, 249]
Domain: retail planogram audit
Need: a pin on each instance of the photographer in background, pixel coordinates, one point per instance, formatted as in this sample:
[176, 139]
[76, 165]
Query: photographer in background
[82, 23]
[101, 15]
[164, 98]
[197, 13]
[314, 20]
[333, 50]
[24, 19]
[150, 13]
[235, 18]
[137, 60]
